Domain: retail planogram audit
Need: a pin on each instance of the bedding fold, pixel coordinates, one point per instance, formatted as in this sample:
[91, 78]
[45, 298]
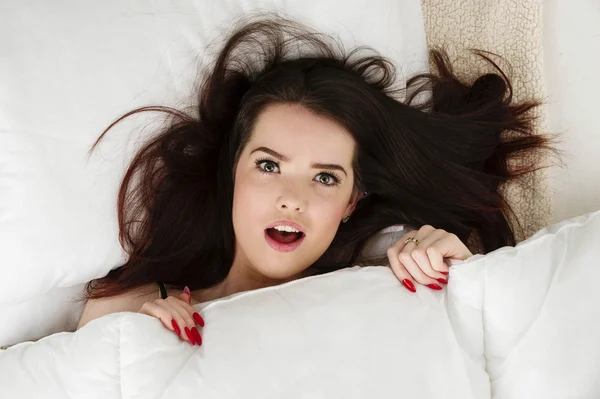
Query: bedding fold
[355, 333]
[520, 322]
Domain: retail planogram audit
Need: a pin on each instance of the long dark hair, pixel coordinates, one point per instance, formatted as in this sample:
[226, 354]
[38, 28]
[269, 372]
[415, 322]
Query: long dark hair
[440, 156]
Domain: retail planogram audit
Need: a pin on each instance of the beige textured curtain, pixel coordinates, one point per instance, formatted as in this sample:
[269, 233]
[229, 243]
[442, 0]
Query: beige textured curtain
[513, 30]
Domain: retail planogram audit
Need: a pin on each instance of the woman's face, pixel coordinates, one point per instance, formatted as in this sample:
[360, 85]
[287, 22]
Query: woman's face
[278, 180]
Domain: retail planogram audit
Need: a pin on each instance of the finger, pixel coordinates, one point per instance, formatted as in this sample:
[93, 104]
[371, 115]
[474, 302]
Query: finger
[190, 309]
[450, 246]
[164, 315]
[402, 246]
[420, 254]
[185, 311]
[399, 270]
[400, 253]
[186, 295]
[198, 319]
[185, 332]
[415, 271]
[418, 250]
[436, 259]
[182, 310]
[421, 257]
[419, 235]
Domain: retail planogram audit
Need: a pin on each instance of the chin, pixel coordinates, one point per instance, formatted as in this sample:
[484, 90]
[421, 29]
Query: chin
[281, 275]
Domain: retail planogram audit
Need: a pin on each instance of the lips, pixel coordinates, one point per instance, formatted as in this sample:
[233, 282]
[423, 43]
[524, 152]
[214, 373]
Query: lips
[281, 246]
[283, 241]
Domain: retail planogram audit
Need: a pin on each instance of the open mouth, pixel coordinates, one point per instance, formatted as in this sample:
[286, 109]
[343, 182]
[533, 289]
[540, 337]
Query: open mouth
[284, 237]
[284, 241]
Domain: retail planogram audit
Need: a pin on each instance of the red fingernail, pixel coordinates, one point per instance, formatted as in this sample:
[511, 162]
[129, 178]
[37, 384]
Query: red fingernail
[175, 327]
[434, 287]
[441, 280]
[186, 290]
[197, 336]
[189, 335]
[198, 319]
[408, 284]
[446, 273]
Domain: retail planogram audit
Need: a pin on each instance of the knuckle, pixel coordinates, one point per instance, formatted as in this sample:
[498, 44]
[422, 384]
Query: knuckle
[418, 253]
[427, 227]
[431, 250]
[404, 257]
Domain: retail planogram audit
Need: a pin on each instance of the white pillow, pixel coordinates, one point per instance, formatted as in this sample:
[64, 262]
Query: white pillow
[354, 333]
[538, 306]
[69, 70]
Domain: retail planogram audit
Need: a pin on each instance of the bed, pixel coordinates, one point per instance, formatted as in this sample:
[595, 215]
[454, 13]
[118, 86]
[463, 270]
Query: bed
[498, 331]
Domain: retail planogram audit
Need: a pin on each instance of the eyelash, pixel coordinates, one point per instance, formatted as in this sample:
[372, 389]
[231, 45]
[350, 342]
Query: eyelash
[336, 178]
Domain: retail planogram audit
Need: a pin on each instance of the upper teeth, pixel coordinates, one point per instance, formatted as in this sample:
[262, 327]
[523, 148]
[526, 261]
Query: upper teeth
[289, 229]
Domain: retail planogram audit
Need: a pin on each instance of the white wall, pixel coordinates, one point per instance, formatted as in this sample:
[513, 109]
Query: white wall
[572, 62]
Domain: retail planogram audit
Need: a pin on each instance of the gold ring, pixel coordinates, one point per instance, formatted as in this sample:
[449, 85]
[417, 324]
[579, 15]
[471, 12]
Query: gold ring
[409, 239]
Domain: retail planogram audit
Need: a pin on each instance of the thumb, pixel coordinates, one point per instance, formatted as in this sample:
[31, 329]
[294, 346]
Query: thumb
[186, 295]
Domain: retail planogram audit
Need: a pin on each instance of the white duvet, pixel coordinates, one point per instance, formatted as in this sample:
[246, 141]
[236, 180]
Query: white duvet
[520, 322]
[353, 334]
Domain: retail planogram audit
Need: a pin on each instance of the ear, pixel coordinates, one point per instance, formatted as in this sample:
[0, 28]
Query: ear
[353, 201]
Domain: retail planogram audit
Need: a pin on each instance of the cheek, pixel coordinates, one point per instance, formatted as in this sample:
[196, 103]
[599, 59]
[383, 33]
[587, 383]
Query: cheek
[248, 201]
[327, 214]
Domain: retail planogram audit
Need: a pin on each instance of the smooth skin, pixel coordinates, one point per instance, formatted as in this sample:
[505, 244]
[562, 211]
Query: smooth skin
[269, 188]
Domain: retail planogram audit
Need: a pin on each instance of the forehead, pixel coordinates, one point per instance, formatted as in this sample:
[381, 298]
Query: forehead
[293, 129]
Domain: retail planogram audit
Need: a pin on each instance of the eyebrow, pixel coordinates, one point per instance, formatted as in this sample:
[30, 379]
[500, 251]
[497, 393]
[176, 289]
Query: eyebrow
[283, 158]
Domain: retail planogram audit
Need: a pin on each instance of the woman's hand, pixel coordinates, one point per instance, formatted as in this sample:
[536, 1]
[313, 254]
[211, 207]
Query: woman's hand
[420, 255]
[175, 314]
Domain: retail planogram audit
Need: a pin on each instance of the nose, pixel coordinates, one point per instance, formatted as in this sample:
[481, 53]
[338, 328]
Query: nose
[290, 202]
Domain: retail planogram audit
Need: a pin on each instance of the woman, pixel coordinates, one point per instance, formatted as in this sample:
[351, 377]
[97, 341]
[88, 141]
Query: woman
[299, 154]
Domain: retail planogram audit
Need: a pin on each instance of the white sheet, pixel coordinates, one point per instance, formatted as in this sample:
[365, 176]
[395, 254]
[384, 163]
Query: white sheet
[517, 323]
